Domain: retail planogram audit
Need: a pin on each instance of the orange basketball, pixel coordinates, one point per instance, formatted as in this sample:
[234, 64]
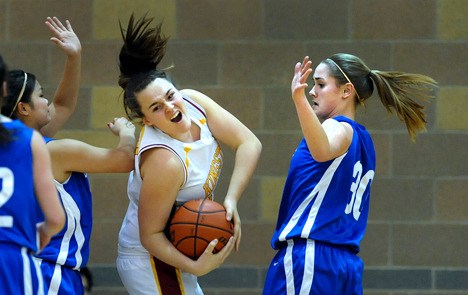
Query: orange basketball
[196, 223]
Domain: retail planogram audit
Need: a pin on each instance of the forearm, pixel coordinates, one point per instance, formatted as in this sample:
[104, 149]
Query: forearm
[247, 156]
[66, 95]
[312, 129]
[160, 247]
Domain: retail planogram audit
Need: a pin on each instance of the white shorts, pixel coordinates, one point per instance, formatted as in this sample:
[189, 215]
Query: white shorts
[146, 275]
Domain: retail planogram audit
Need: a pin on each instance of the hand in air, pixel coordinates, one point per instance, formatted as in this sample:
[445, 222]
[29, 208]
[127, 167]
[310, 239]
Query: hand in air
[299, 81]
[209, 261]
[64, 36]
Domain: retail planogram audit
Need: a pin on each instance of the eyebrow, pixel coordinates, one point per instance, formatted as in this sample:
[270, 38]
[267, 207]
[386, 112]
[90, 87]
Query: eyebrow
[156, 102]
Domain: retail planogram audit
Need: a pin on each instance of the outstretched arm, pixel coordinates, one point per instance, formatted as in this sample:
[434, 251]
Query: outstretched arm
[66, 95]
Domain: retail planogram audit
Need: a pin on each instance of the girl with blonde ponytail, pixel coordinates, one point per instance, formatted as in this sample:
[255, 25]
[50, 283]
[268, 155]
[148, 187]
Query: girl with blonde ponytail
[325, 204]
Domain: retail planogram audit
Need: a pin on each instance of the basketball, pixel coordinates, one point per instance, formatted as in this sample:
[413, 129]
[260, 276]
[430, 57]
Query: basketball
[196, 223]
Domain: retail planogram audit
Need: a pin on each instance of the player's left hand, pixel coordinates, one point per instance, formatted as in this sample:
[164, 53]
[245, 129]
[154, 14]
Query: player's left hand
[64, 36]
[233, 215]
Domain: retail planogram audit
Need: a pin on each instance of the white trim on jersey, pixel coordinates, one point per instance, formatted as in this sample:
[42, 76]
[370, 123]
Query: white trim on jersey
[27, 276]
[73, 228]
[319, 190]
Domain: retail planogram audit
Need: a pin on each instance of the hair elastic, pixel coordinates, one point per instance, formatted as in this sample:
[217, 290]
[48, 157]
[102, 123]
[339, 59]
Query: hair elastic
[20, 94]
[349, 81]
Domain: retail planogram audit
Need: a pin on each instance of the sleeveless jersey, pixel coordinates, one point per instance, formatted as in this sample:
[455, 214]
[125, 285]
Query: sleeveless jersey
[70, 247]
[202, 163]
[19, 213]
[328, 201]
[18, 203]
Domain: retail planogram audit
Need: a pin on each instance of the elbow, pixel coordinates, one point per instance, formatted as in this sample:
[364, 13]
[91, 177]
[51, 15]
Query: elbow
[55, 223]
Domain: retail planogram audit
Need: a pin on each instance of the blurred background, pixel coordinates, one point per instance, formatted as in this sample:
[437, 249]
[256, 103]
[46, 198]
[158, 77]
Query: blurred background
[242, 53]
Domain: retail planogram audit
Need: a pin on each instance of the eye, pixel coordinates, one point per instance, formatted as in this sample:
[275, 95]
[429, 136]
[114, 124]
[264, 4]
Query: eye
[170, 96]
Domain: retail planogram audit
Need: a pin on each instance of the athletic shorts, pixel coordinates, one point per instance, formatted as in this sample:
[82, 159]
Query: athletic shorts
[61, 280]
[19, 272]
[309, 267]
[146, 275]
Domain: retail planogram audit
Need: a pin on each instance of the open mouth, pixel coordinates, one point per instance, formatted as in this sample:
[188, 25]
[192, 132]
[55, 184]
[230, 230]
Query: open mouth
[176, 117]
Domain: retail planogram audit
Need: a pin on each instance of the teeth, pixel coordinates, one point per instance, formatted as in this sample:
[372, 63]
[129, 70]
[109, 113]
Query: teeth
[175, 115]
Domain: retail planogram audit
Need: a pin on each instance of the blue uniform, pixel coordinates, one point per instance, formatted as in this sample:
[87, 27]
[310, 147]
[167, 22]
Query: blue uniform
[322, 220]
[19, 213]
[68, 251]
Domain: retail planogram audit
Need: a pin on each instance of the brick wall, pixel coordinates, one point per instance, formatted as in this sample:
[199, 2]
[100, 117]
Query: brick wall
[242, 54]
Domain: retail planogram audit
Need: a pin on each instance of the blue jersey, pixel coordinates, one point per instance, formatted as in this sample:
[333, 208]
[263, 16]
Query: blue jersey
[70, 247]
[328, 201]
[19, 213]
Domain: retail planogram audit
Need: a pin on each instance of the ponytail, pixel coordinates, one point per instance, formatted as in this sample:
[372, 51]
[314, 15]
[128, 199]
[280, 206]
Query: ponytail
[143, 49]
[398, 91]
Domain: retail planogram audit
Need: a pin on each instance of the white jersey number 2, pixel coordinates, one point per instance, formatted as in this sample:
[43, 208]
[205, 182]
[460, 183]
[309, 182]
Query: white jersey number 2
[358, 188]
[7, 180]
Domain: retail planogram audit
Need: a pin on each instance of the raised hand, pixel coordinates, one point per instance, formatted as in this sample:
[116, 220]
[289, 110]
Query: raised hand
[299, 81]
[64, 36]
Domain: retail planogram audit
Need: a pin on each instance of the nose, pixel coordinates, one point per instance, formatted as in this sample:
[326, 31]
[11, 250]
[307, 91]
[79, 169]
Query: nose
[168, 106]
[312, 92]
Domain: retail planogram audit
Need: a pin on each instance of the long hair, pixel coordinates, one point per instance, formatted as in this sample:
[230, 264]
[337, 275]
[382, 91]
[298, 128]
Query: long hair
[5, 135]
[398, 91]
[143, 49]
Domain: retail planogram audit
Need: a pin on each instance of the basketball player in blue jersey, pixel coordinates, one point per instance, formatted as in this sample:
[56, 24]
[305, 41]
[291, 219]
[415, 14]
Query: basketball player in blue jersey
[324, 208]
[26, 184]
[71, 160]
[178, 158]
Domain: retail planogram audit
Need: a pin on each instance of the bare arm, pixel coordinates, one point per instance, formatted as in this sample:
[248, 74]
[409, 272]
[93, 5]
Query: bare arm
[162, 175]
[66, 95]
[230, 131]
[46, 192]
[326, 140]
[70, 155]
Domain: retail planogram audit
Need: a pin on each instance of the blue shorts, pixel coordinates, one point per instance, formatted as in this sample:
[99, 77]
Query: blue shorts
[310, 267]
[19, 272]
[61, 280]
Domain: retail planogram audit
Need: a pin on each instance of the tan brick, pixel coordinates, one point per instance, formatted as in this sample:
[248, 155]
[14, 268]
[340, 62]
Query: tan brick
[255, 245]
[104, 242]
[108, 13]
[245, 104]
[241, 64]
[395, 19]
[99, 64]
[453, 22]
[382, 144]
[402, 200]
[279, 111]
[194, 64]
[445, 62]
[306, 20]
[32, 58]
[375, 245]
[452, 201]
[27, 18]
[109, 195]
[452, 108]
[276, 154]
[3, 22]
[219, 19]
[80, 119]
[271, 193]
[430, 245]
[97, 138]
[430, 155]
[107, 104]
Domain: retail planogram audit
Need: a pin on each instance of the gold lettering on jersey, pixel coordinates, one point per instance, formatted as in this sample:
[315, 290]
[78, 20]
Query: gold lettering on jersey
[187, 149]
[215, 171]
[202, 121]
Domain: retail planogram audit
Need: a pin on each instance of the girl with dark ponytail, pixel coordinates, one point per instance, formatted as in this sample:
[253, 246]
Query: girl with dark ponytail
[325, 204]
[178, 158]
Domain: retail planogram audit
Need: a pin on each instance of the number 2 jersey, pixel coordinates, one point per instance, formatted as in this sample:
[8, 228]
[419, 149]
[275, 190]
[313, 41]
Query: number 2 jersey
[328, 201]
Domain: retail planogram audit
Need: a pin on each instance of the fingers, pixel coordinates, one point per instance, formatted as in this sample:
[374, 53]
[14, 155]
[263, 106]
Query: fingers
[209, 249]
